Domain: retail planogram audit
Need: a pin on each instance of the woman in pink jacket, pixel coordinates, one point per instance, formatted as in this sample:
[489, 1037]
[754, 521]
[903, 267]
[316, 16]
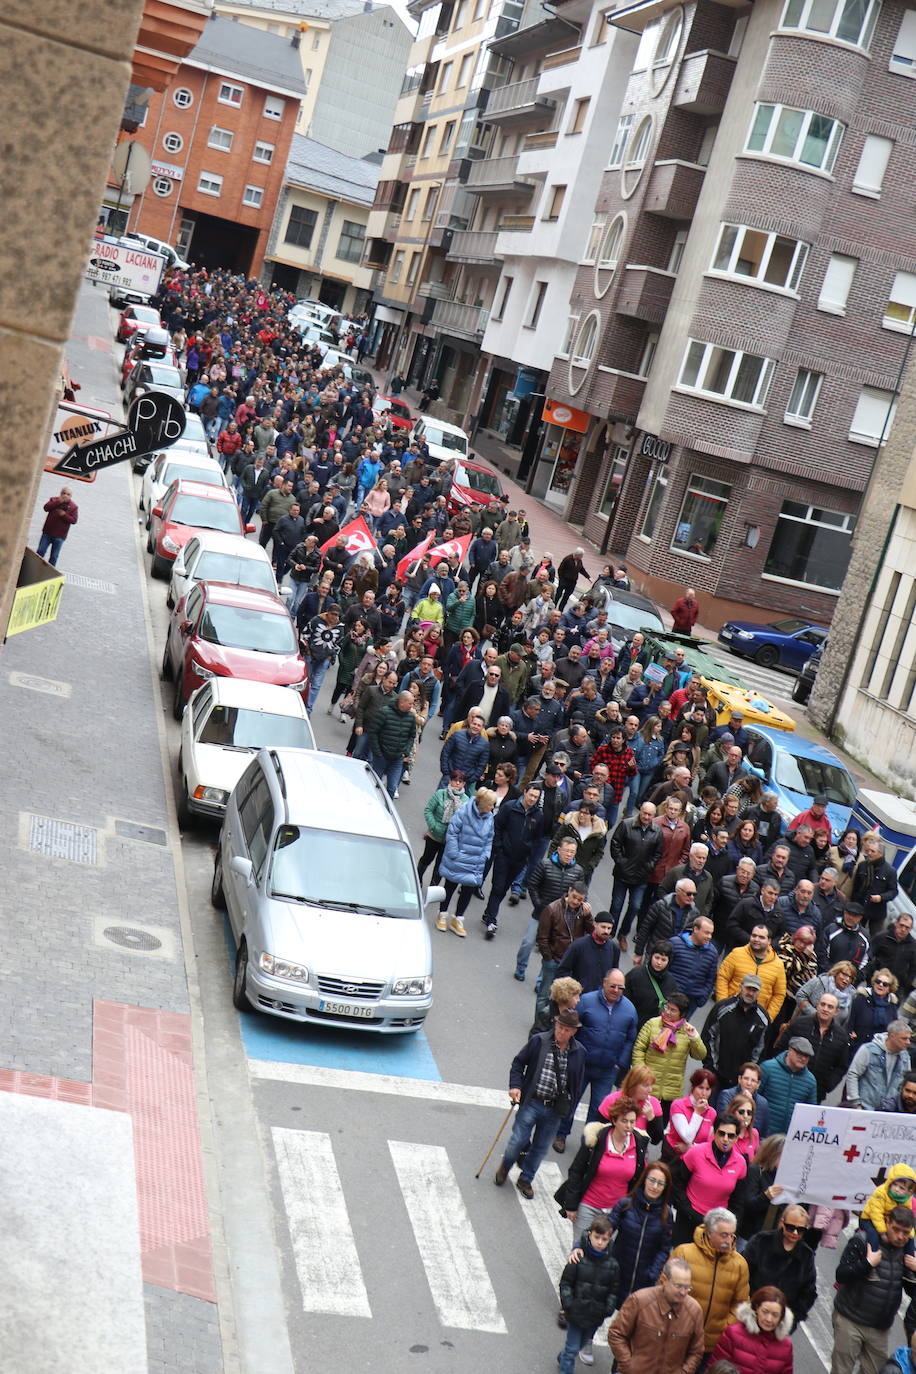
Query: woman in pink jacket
[758, 1342]
[709, 1175]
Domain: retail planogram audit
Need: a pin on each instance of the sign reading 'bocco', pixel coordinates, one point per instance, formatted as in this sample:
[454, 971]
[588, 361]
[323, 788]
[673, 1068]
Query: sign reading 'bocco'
[653, 447]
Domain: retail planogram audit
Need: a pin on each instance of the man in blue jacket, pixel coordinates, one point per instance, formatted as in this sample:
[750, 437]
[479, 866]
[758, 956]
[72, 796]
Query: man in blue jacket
[786, 1080]
[694, 962]
[546, 1075]
[607, 1036]
[516, 831]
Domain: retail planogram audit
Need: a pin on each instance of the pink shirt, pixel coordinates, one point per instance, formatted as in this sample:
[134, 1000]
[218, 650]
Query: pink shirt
[684, 1107]
[641, 1122]
[711, 1184]
[613, 1177]
[747, 1145]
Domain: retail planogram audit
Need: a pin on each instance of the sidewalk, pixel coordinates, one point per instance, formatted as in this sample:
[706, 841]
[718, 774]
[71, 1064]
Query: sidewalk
[112, 1261]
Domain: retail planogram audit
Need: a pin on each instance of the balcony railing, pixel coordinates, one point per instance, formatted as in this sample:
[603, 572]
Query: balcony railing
[518, 101]
[473, 245]
[434, 290]
[674, 189]
[561, 59]
[467, 321]
[645, 293]
[547, 138]
[516, 223]
[497, 174]
[703, 82]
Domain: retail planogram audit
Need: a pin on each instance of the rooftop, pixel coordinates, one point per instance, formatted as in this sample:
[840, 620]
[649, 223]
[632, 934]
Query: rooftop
[308, 9]
[324, 169]
[259, 57]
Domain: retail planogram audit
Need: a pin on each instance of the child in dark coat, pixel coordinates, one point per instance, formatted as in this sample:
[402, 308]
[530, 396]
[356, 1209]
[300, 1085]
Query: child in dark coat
[588, 1291]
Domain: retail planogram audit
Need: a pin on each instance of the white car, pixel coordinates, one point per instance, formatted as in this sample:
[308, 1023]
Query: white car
[226, 722]
[446, 443]
[177, 462]
[194, 440]
[212, 556]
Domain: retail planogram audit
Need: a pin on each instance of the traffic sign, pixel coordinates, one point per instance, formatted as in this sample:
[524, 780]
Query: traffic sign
[155, 421]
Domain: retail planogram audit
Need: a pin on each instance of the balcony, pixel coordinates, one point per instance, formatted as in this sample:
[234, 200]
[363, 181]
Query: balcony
[516, 224]
[703, 82]
[561, 59]
[467, 321]
[674, 189]
[168, 34]
[434, 290]
[645, 293]
[547, 138]
[497, 176]
[620, 392]
[473, 245]
[518, 103]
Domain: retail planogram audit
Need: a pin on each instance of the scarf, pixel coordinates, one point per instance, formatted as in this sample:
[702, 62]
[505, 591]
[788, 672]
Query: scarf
[667, 1037]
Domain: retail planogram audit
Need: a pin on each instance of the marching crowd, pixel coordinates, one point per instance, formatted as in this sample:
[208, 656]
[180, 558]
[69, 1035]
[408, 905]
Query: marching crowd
[762, 970]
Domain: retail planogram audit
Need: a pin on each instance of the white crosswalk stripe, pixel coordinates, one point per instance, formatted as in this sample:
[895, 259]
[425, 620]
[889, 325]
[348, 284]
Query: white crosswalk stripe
[330, 1278]
[455, 1270]
[769, 682]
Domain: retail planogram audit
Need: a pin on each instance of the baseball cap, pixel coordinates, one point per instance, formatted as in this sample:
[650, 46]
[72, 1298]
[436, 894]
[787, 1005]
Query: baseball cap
[750, 980]
[819, 800]
[800, 1045]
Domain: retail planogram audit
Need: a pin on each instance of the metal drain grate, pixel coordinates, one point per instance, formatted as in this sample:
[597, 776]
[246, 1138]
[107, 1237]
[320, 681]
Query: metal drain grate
[92, 584]
[128, 830]
[131, 938]
[40, 684]
[63, 840]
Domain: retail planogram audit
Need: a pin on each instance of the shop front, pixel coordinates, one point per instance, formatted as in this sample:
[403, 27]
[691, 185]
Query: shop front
[562, 444]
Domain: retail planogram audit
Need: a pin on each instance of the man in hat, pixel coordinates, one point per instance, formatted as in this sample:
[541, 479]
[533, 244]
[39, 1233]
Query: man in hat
[786, 1080]
[735, 1032]
[547, 1075]
[815, 818]
[735, 728]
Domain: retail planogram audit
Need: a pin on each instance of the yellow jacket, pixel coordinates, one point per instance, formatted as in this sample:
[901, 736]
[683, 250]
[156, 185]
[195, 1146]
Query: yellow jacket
[720, 1283]
[770, 970]
[880, 1204]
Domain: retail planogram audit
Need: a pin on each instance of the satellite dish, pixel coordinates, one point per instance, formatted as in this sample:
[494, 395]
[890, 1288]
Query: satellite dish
[131, 166]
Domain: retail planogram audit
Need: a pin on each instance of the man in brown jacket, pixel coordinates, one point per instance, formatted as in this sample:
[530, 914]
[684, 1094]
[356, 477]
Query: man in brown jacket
[659, 1330]
[559, 924]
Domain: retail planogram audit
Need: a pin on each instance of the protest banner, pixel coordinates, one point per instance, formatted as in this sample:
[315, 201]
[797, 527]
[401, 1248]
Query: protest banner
[838, 1156]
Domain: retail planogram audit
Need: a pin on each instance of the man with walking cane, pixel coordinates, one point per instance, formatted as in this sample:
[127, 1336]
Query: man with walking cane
[547, 1076]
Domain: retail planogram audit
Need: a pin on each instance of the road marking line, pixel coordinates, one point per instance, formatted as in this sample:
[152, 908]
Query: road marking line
[327, 1263]
[455, 1271]
[552, 1233]
[317, 1076]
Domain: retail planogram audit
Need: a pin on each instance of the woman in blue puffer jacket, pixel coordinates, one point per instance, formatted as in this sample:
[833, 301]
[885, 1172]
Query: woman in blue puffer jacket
[468, 841]
[642, 1229]
[649, 750]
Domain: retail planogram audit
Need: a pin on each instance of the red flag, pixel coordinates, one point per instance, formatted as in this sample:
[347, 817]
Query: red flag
[262, 301]
[455, 551]
[358, 536]
[413, 556]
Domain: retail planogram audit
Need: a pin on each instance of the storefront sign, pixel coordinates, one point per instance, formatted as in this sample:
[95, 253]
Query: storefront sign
[121, 264]
[37, 596]
[75, 424]
[837, 1157]
[165, 169]
[651, 446]
[567, 417]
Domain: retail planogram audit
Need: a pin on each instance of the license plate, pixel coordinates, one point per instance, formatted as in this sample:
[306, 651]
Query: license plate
[726, 634]
[345, 1009]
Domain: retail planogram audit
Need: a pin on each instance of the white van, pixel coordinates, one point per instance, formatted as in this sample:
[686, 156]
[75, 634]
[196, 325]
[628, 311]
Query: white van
[446, 443]
[172, 258]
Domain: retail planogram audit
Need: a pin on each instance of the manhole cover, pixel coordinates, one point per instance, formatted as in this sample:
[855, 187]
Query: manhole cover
[128, 830]
[131, 938]
[63, 840]
[92, 584]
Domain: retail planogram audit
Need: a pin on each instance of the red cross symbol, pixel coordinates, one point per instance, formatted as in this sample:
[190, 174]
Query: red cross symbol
[851, 1153]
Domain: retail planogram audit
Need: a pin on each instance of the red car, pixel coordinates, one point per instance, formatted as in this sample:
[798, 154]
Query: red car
[221, 630]
[472, 482]
[136, 319]
[186, 508]
[393, 409]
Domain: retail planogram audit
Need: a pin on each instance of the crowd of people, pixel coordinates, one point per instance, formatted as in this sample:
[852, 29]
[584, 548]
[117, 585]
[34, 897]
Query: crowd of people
[762, 968]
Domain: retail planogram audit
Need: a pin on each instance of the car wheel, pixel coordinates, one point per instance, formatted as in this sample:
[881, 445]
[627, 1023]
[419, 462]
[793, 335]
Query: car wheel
[186, 817]
[178, 702]
[165, 672]
[149, 540]
[239, 998]
[217, 895]
[159, 567]
[170, 598]
[801, 690]
[767, 656]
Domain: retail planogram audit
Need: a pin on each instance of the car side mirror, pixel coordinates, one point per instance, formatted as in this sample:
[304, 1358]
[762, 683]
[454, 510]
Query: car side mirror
[434, 894]
[249, 529]
[243, 867]
[157, 511]
[185, 627]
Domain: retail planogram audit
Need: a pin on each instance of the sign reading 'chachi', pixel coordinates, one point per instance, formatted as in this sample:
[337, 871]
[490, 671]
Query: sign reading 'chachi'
[155, 421]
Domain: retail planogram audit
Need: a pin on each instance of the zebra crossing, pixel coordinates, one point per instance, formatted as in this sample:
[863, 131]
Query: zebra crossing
[769, 682]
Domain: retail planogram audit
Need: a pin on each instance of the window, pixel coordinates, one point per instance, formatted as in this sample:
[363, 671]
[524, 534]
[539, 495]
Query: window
[209, 184]
[837, 281]
[537, 302]
[162, 186]
[648, 355]
[253, 196]
[429, 206]
[220, 138]
[263, 152]
[316, 41]
[621, 139]
[796, 136]
[770, 258]
[599, 224]
[614, 482]
[557, 195]
[658, 486]
[572, 324]
[669, 35]
[398, 267]
[869, 175]
[448, 133]
[726, 374]
[599, 32]
[803, 398]
[230, 94]
[583, 350]
[350, 244]
[810, 546]
[464, 71]
[428, 141]
[580, 111]
[300, 226]
[639, 144]
[874, 415]
[461, 11]
[903, 58]
[702, 512]
[851, 21]
[900, 310]
[308, 79]
[274, 105]
[414, 268]
[182, 97]
[413, 201]
[173, 143]
[445, 76]
[500, 310]
[609, 252]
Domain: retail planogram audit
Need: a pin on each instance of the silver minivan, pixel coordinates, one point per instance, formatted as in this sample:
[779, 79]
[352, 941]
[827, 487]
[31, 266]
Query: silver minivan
[317, 874]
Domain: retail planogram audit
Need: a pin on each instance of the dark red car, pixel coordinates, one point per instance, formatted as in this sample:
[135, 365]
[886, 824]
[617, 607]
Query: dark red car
[221, 630]
[186, 508]
[136, 319]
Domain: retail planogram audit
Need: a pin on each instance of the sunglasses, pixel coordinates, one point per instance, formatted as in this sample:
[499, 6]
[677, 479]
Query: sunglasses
[727, 1135]
[795, 1230]
[882, 983]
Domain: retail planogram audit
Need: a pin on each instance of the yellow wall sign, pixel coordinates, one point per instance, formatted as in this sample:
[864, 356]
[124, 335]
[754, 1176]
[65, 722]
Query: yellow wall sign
[36, 600]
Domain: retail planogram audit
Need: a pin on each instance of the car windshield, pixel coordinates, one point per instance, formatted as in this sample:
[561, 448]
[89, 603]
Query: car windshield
[211, 477]
[144, 315]
[193, 429]
[234, 727]
[207, 515]
[482, 481]
[346, 872]
[625, 617]
[164, 376]
[236, 627]
[810, 777]
[444, 439]
[241, 572]
[787, 627]
[398, 408]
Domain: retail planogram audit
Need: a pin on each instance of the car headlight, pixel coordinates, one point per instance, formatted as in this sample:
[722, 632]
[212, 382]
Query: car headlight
[744, 634]
[169, 545]
[282, 968]
[200, 671]
[211, 794]
[299, 686]
[412, 987]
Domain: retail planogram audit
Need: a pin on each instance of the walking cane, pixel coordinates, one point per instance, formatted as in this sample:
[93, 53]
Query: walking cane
[512, 1106]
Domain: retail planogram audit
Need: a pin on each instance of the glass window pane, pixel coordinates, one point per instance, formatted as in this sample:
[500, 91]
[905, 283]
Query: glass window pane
[659, 486]
[700, 519]
[779, 266]
[718, 370]
[726, 246]
[759, 128]
[801, 257]
[753, 246]
[691, 370]
[809, 553]
[820, 16]
[817, 140]
[748, 378]
[787, 133]
[793, 14]
[851, 27]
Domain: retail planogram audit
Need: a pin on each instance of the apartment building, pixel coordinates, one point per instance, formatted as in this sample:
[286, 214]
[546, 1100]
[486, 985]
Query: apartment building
[353, 54]
[319, 229]
[218, 139]
[737, 328]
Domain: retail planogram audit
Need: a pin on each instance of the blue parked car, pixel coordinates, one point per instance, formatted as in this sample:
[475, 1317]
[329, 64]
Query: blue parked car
[797, 770]
[784, 644]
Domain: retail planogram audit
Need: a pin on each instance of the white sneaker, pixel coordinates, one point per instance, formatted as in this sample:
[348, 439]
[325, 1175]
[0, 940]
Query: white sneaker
[587, 1355]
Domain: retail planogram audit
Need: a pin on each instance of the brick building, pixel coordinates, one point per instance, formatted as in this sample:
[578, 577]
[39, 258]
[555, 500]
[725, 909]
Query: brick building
[219, 137]
[738, 324]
